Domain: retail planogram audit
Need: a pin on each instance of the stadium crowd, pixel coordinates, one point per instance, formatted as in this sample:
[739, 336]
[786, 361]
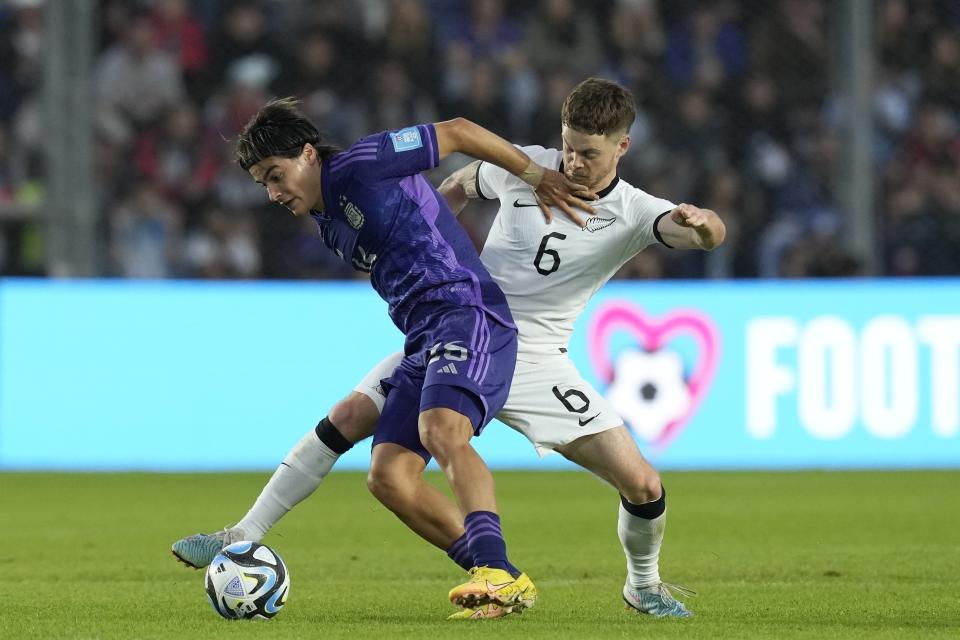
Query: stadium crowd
[737, 113]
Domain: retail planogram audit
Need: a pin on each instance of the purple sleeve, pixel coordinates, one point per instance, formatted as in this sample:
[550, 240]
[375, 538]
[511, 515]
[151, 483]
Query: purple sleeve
[393, 154]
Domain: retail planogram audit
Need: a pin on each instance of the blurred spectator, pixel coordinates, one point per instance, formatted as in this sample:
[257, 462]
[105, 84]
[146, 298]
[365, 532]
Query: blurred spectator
[923, 211]
[222, 247]
[21, 53]
[804, 206]
[145, 235]
[942, 77]
[395, 101]
[180, 33]
[635, 44]
[900, 42]
[180, 158]
[483, 103]
[136, 82]
[734, 112]
[705, 49]
[559, 33]
[487, 32]
[409, 39]
[932, 142]
[791, 46]
[724, 194]
[697, 139]
[761, 138]
[7, 186]
[243, 43]
[230, 108]
[319, 78]
[545, 128]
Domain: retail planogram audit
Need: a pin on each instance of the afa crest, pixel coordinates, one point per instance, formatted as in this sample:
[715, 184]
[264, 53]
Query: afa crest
[352, 213]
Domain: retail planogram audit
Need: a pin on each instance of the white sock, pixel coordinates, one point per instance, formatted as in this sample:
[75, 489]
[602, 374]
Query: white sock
[641, 540]
[299, 475]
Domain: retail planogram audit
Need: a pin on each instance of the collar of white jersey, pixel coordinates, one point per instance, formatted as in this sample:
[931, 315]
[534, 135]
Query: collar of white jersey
[603, 193]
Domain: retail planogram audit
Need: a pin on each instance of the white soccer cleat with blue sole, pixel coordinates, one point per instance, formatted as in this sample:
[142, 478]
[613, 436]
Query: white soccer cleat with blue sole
[657, 600]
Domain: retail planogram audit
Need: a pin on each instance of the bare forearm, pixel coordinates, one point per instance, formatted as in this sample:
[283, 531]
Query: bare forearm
[455, 195]
[461, 186]
[461, 135]
[551, 188]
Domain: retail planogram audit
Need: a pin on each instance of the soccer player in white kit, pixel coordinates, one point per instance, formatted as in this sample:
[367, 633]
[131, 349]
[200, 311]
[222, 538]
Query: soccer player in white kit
[548, 271]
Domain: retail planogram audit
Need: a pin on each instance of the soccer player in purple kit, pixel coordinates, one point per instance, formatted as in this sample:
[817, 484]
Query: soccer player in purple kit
[376, 212]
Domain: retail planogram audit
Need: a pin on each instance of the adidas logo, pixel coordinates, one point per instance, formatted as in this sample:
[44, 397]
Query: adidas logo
[450, 368]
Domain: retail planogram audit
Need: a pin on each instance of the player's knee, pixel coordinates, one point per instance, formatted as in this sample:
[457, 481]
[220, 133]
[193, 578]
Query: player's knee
[387, 486]
[641, 487]
[355, 417]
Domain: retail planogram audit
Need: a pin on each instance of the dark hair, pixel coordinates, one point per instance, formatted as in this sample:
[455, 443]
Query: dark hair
[597, 106]
[279, 128]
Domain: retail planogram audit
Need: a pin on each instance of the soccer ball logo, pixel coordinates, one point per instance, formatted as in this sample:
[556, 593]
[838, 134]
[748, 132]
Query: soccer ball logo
[247, 580]
[654, 388]
[648, 390]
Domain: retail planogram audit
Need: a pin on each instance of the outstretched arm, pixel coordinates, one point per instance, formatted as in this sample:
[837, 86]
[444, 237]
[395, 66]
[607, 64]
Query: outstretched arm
[551, 187]
[690, 227]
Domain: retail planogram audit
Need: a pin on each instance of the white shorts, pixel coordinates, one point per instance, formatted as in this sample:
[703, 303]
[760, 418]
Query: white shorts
[549, 403]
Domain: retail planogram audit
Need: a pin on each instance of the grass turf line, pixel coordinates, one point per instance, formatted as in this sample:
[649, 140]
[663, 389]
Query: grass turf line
[773, 555]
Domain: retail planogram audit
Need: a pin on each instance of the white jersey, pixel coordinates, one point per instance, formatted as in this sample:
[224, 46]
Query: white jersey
[550, 271]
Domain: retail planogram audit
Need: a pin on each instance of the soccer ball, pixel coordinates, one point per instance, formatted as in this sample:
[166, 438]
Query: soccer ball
[247, 580]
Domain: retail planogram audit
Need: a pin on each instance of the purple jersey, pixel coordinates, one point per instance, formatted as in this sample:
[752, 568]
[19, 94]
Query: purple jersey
[381, 216]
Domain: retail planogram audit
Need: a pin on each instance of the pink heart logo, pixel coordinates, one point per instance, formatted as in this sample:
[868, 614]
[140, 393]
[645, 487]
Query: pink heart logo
[651, 335]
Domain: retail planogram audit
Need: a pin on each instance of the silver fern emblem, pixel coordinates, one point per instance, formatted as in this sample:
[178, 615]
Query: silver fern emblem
[595, 223]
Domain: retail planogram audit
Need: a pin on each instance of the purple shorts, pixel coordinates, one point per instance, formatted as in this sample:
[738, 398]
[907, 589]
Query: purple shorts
[463, 360]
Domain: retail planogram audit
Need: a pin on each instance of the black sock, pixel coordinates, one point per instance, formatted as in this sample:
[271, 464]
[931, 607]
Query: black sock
[647, 510]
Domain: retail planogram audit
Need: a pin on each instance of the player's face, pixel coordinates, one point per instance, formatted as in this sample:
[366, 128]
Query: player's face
[292, 182]
[591, 159]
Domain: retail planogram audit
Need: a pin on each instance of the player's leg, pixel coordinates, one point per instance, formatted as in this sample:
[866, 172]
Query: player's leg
[465, 382]
[495, 580]
[299, 475]
[614, 456]
[557, 410]
[308, 463]
[396, 479]
[302, 470]
[446, 434]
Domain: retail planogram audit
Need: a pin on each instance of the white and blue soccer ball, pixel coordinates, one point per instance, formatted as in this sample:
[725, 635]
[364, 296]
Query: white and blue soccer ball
[247, 580]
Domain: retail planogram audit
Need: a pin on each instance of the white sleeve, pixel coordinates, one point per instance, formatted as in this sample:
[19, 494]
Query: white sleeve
[493, 181]
[644, 210]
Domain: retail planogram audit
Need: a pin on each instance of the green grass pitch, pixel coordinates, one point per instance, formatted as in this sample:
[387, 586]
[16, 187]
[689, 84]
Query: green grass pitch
[773, 555]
